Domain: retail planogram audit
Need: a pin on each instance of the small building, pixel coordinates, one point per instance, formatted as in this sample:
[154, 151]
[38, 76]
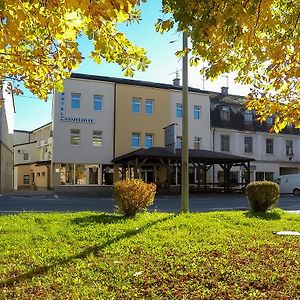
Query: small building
[32, 158]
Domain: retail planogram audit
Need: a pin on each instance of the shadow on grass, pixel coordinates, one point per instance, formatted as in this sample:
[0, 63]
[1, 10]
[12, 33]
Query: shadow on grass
[269, 215]
[88, 251]
[98, 218]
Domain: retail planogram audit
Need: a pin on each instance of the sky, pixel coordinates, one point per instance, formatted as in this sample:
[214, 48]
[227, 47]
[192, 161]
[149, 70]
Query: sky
[32, 112]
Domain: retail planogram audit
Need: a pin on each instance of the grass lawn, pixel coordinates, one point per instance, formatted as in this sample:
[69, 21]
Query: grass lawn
[217, 255]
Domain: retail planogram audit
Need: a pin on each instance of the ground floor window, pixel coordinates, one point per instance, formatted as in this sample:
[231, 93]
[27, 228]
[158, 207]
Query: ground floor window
[26, 179]
[233, 177]
[107, 174]
[259, 176]
[80, 174]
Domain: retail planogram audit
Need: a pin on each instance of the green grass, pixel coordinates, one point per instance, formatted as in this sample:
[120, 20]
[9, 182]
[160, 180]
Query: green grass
[217, 255]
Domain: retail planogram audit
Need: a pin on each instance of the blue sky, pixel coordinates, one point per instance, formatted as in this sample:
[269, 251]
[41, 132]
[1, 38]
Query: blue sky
[32, 112]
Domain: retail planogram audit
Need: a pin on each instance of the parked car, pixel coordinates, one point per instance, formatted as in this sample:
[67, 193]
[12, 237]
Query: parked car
[289, 184]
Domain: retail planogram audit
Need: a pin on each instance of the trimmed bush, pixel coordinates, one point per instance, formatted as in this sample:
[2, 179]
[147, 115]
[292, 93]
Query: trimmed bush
[133, 195]
[262, 195]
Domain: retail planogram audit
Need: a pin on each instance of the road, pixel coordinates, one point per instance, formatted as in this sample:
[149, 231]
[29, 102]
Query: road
[52, 203]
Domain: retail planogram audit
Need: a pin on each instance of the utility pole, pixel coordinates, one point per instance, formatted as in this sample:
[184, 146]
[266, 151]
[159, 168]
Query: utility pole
[185, 132]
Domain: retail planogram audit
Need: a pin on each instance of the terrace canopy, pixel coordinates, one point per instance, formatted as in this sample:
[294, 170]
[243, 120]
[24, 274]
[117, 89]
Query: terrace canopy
[202, 160]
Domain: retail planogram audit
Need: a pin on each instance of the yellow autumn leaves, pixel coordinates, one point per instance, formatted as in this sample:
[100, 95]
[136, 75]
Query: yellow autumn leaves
[258, 38]
[38, 39]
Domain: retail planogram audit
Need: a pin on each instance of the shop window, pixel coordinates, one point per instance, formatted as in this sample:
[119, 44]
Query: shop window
[178, 142]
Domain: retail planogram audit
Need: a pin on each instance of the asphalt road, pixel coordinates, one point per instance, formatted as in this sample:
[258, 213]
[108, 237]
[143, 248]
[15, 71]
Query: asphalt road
[52, 203]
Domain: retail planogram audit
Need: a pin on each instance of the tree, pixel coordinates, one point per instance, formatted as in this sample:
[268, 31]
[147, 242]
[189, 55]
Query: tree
[258, 38]
[38, 39]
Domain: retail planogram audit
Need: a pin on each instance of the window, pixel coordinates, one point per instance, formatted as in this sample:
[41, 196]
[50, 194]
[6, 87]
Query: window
[225, 113]
[178, 110]
[26, 179]
[248, 117]
[98, 103]
[43, 174]
[149, 104]
[178, 142]
[225, 143]
[289, 148]
[38, 174]
[248, 140]
[136, 105]
[135, 140]
[75, 101]
[75, 137]
[269, 146]
[97, 138]
[197, 112]
[197, 142]
[259, 176]
[148, 140]
[26, 156]
[269, 121]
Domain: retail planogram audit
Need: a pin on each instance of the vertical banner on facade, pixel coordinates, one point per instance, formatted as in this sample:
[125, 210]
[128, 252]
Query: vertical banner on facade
[170, 137]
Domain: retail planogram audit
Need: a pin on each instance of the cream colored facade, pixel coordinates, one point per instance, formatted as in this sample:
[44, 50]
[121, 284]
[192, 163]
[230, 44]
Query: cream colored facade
[198, 127]
[128, 122]
[32, 158]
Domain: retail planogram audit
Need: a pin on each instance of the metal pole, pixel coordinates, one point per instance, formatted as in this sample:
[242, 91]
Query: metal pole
[185, 137]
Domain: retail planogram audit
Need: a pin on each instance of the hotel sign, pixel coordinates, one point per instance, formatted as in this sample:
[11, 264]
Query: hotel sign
[65, 118]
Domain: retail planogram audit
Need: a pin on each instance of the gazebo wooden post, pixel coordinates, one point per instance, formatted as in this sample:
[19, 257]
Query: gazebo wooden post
[135, 169]
[169, 174]
[247, 179]
[198, 176]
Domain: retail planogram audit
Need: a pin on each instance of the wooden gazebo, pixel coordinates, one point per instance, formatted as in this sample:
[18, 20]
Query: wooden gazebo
[131, 163]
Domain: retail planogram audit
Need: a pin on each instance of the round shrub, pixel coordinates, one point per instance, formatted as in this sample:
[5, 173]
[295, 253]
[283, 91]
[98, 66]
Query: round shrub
[262, 195]
[133, 195]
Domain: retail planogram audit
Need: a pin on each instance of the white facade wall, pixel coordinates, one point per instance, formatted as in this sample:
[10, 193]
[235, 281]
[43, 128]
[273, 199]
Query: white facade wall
[264, 162]
[197, 128]
[63, 151]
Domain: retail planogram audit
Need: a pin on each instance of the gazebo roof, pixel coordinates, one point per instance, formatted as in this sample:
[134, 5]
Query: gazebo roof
[203, 156]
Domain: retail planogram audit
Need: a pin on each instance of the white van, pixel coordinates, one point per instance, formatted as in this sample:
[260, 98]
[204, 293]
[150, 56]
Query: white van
[289, 184]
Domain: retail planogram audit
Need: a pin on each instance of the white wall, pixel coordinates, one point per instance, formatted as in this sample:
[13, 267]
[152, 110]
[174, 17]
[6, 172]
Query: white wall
[263, 162]
[197, 128]
[63, 151]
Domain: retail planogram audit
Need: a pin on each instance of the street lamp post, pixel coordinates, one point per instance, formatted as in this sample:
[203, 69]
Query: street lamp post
[185, 132]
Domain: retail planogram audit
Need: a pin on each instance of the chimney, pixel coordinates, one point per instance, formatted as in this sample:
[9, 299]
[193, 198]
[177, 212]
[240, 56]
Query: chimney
[176, 81]
[224, 90]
